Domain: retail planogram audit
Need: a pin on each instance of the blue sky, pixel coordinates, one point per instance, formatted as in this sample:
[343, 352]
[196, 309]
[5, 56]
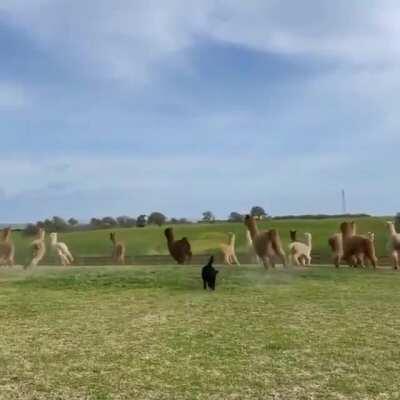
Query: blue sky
[126, 107]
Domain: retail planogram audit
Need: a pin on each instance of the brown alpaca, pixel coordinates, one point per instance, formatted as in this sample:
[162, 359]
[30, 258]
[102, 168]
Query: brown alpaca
[38, 247]
[180, 250]
[228, 250]
[356, 248]
[7, 249]
[118, 254]
[267, 244]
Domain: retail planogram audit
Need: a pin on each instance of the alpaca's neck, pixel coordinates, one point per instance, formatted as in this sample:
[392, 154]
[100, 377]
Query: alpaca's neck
[309, 241]
[252, 229]
[248, 238]
[232, 241]
[53, 240]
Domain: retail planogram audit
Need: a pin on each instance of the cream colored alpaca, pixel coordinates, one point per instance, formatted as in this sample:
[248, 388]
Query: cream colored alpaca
[38, 247]
[61, 249]
[394, 244]
[7, 249]
[228, 250]
[299, 252]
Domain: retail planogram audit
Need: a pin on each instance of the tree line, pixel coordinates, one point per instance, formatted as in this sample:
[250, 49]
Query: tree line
[58, 224]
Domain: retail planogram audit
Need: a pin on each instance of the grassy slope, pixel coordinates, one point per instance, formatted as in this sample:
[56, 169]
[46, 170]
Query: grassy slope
[152, 333]
[204, 238]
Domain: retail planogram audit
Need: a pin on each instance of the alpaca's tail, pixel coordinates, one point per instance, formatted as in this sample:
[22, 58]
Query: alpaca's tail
[334, 244]
[188, 249]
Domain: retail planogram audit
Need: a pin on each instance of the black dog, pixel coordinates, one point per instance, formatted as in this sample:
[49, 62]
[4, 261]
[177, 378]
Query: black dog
[209, 274]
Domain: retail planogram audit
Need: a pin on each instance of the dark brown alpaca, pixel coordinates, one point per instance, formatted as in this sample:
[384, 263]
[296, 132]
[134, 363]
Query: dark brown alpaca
[180, 250]
[267, 244]
[118, 254]
[356, 248]
[7, 248]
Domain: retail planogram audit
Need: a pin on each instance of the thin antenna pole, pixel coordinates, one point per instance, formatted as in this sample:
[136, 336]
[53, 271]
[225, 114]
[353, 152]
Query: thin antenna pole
[344, 205]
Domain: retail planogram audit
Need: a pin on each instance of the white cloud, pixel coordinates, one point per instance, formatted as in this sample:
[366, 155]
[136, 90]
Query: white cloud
[130, 39]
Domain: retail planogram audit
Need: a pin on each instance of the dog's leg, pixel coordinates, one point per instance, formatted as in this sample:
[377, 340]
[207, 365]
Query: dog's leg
[204, 284]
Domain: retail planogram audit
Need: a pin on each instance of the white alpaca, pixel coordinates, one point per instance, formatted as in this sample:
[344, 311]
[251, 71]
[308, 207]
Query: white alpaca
[250, 247]
[38, 247]
[228, 250]
[299, 252]
[394, 244]
[61, 249]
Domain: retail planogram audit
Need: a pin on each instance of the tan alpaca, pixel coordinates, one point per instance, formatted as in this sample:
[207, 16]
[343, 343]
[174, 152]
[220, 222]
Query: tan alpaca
[118, 254]
[7, 249]
[228, 250]
[61, 249]
[299, 252]
[356, 248]
[38, 247]
[267, 244]
[394, 244]
[336, 245]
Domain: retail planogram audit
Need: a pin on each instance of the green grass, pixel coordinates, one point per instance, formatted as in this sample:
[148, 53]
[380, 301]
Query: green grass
[153, 333]
[205, 238]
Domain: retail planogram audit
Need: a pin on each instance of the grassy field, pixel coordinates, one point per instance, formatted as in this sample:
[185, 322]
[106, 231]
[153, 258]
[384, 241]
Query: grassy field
[205, 238]
[153, 333]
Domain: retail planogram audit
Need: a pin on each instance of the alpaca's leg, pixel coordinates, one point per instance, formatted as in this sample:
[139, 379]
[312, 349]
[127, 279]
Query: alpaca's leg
[395, 259]
[227, 259]
[266, 262]
[235, 259]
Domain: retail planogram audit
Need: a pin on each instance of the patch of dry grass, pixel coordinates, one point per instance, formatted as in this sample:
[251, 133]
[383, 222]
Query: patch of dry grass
[153, 333]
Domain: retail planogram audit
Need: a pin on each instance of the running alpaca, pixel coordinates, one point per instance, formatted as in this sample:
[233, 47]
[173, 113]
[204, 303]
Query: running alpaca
[228, 250]
[336, 245]
[356, 248]
[61, 249]
[394, 244]
[38, 247]
[299, 252]
[180, 250]
[267, 244]
[118, 254]
[7, 249]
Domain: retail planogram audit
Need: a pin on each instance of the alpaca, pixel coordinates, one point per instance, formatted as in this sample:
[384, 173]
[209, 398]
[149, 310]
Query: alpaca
[228, 250]
[299, 252]
[336, 245]
[7, 249]
[180, 250]
[356, 247]
[394, 244]
[38, 247]
[209, 275]
[118, 254]
[267, 245]
[61, 249]
[250, 248]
